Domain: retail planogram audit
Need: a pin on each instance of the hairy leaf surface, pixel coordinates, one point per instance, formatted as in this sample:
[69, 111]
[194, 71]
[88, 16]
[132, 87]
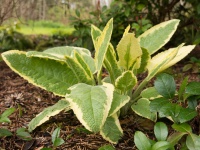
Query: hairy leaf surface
[157, 36]
[47, 113]
[126, 81]
[91, 104]
[142, 109]
[128, 50]
[51, 75]
[111, 126]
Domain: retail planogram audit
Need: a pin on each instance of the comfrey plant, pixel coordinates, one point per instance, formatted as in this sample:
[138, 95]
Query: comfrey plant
[72, 73]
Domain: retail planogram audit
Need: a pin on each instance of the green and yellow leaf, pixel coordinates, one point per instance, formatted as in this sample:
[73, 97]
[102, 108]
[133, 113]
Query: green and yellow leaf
[91, 104]
[126, 81]
[118, 102]
[111, 64]
[161, 59]
[111, 130]
[157, 36]
[128, 51]
[101, 45]
[182, 52]
[145, 58]
[51, 75]
[142, 108]
[47, 113]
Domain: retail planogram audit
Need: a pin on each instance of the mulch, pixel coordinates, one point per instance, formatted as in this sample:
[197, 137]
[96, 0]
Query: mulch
[30, 100]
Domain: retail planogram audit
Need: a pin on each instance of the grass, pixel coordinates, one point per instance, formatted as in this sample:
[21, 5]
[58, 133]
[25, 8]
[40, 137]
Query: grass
[28, 30]
[45, 28]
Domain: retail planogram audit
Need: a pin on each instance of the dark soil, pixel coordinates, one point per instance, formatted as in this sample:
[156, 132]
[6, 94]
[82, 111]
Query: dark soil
[31, 100]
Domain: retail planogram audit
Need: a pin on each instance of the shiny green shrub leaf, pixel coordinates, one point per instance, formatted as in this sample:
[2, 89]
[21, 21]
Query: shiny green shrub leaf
[165, 85]
[141, 141]
[193, 142]
[161, 131]
[142, 109]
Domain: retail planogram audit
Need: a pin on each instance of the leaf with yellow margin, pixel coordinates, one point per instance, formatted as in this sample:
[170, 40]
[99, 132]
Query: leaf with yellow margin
[157, 36]
[128, 50]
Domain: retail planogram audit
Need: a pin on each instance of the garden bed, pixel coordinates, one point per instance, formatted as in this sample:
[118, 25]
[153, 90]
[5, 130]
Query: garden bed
[30, 100]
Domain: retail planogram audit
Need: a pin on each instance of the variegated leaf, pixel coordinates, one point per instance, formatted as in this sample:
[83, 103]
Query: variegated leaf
[128, 50]
[142, 108]
[126, 81]
[61, 52]
[161, 59]
[145, 58]
[127, 30]
[47, 113]
[82, 74]
[84, 65]
[111, 130]
[102, 44]
[182, 52]
[110, 61]
[150, 93]
[91, 104]
[111, 64]
[49, 74]
[157, 36]
[118, 102]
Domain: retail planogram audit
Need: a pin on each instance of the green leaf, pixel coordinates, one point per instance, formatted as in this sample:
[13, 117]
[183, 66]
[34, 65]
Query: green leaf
[182, 88]
[142, 109]
[23, 134]
[4, 116]
[5, 132]
[118, 102]
[55, 134]
[161, 105]
[51, 75]
[55, 138]
[145, 58]
[91, 104]
[186, 114]
[165, 85]
[193, 142]
[102, 43]
[111, 130]
[128, 51]
[106, 147]
[150, 93]
[157, 36]
[141, 141]
[161, 131]
[126, 81]
[46, 148]
[111, 64]
[58, 142]
[175, 137]
[161, 145]
[193, 88]
[47, 113]
[183, 127]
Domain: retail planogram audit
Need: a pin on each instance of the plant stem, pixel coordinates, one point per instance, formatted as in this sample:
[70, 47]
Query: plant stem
[99, 73]
[139, 89]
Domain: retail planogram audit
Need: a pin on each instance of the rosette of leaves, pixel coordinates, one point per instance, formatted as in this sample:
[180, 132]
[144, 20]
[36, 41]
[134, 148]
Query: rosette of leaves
[72, 73]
